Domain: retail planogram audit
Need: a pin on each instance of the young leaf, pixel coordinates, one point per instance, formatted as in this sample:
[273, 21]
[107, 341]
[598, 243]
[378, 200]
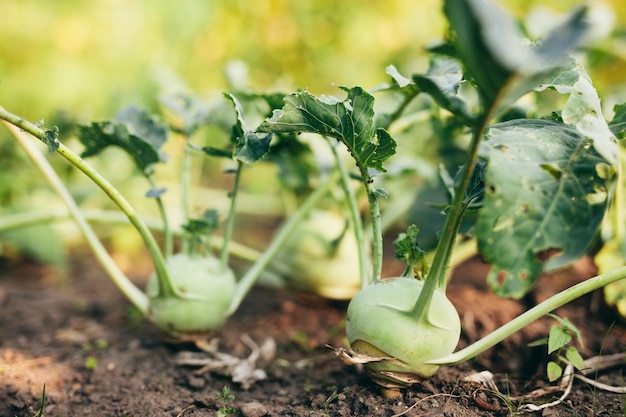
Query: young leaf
[408, 249]
[350, 121]
[51, 138]
[249, 146]
[569, 327]
[134, 130]
[554, 371]
[558, 338]
[574, 357]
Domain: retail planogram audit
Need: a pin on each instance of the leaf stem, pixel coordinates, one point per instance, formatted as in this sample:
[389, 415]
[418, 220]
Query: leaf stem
[157, 257]
[185, 179]
[377, 232]
[283, 234]
[355, 216]
[167, 233]
[230, 220]
[436, 278]
[531, 315]
[134, 294]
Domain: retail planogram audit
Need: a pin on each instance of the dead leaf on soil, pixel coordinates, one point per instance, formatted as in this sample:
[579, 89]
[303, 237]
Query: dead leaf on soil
[243, 371]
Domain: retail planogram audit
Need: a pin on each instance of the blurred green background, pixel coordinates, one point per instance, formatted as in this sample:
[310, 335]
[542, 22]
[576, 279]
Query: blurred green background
[83, 61]
[90, 58]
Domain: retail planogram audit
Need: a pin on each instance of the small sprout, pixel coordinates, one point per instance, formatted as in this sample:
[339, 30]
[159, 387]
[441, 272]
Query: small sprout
[91, 363]
[559, 337]
[226, 398]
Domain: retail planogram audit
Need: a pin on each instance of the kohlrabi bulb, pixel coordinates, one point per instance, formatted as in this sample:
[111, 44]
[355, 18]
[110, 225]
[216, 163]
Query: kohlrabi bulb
[380, 327]
[206, 292]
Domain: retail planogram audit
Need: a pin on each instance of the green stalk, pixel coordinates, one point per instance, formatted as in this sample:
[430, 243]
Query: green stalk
[185, 180]
[230, 220]
[377, 232]
[436, 278]
[134, 294]
[355, 216]
[535, 313]
[167, 232]
[112, 192]
[283, 234]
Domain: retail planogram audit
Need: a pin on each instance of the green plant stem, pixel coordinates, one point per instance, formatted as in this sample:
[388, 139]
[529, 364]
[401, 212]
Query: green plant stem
[168, 248]
[281, 237]
[531, 315]
[34, 217]
[157, 257]
[377, 232]
[134, 294]
[185, 181]
[355, 216]
[230, 220]
[437, 274]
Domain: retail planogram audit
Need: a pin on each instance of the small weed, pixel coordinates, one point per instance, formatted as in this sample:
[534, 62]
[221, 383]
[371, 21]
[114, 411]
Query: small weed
[226, 398]
[42, 403]
[90, 363]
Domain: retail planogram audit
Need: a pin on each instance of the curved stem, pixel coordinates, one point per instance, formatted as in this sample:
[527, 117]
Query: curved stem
[355, 217]
[531, 315]
[230, 220]
[283, 234]
[134, 294]
[157, 257]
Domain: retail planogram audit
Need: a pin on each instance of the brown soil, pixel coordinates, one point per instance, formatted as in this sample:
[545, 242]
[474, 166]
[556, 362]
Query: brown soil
[79, 338]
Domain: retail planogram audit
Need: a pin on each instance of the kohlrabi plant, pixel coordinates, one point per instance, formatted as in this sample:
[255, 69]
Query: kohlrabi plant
[537, 184]
[194, 290]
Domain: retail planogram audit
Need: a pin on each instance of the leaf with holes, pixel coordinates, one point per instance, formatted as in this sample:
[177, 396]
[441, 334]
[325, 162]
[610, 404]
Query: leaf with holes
[546, 191]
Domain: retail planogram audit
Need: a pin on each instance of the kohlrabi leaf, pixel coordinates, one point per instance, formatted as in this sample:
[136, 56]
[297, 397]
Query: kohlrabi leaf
[496, 54]
[441, 82]
[583, 110]
[618, 124]
[546, 191]
[249, 145]
[349, 120]
[134, 130]
[187, 111]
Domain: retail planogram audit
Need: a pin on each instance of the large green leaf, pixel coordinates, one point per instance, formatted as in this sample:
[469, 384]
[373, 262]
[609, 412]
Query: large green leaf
[495, 53]
[547, 189]
[134, 130]
[349, 120]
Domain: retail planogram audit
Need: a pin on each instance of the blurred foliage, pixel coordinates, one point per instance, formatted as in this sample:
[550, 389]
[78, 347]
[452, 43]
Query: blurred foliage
[91, 58]
[74, 62]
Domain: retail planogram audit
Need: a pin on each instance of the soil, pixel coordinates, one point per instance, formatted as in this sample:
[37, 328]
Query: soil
[80, 339]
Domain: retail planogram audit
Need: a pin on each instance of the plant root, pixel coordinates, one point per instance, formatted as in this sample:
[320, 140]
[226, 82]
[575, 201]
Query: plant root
[591, 366]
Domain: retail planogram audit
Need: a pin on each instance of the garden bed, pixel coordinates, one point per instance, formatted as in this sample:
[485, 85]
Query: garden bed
[78, 336]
